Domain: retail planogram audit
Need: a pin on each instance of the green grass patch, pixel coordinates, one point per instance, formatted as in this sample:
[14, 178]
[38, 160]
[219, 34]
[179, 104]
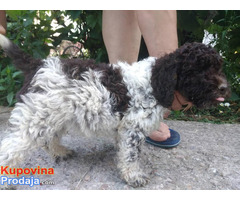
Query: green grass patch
[224, 113]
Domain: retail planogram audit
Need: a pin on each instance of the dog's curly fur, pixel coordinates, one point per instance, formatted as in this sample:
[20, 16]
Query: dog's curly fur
[127, 101]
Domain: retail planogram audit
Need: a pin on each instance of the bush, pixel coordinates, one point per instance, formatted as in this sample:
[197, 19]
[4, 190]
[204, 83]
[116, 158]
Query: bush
[10, 82]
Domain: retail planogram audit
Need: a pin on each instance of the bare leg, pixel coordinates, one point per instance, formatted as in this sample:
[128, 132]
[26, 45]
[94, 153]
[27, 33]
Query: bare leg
[121, 35]
[159, 30]
[3, 22]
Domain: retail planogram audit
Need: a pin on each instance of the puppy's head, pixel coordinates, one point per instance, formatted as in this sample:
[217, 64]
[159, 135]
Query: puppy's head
[200, 78]
[195, 71]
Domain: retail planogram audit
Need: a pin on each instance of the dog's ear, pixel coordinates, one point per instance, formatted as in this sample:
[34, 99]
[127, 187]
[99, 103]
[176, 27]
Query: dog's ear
[164, 80]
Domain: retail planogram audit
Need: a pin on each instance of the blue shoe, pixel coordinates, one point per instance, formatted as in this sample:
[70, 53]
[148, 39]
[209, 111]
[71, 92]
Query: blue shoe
[171, 142]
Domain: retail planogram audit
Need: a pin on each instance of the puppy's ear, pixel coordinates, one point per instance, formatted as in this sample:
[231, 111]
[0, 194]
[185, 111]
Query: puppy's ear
[164, 80]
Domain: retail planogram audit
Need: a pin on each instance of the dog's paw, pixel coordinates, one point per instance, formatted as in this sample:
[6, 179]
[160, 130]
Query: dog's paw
[136, 179]
[63, 157]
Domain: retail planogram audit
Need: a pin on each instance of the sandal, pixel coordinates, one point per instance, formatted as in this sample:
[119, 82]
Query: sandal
[171, 142]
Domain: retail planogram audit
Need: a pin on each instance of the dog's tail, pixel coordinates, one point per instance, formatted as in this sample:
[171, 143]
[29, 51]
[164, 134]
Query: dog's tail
[21, 60]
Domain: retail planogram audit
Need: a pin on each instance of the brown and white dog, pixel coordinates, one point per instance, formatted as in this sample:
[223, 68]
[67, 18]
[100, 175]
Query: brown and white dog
[124, 100]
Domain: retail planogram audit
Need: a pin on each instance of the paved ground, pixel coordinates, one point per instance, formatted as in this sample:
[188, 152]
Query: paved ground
[207, 158]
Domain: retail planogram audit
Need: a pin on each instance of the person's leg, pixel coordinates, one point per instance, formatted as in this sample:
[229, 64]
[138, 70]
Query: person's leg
[3, 22]
[159, 30]
[121, 35]
[122, 38]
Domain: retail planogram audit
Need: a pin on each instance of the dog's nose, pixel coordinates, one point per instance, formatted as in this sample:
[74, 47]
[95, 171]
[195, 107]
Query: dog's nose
[224, 90]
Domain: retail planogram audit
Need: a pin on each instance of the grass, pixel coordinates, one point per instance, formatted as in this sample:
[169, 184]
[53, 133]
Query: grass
[224, 113]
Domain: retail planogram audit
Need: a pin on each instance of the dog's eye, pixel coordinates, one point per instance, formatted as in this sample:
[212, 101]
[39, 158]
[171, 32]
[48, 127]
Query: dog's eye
[191, 99]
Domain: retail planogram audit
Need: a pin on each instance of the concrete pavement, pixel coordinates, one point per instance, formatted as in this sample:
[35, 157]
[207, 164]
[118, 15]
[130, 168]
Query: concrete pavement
[207, 158]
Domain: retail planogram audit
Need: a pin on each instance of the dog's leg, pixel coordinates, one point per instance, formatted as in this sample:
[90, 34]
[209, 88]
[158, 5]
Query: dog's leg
[31, 125]
[56, 150]
[129, 151]
[14, 147]
[18, 140]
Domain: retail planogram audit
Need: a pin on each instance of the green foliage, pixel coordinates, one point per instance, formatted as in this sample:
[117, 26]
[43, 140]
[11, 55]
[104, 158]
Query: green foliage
[225, 28]
[90, 32]
[10, 83]
[190, 28]
[31, 30]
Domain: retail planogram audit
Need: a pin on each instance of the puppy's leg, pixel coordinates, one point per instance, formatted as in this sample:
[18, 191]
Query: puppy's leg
[18, 140]
[14, 148]
[129, 151]
[32, 124]
[56, 150]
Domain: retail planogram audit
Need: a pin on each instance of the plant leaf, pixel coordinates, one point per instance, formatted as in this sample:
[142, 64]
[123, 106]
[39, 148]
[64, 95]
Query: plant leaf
[2, 88]
[10, 98]
[15, 74]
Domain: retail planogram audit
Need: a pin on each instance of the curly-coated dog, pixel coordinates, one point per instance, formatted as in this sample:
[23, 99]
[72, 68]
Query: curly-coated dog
[127, 101]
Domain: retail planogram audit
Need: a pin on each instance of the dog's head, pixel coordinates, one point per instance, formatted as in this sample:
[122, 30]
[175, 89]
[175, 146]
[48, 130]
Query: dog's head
[195, 71]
